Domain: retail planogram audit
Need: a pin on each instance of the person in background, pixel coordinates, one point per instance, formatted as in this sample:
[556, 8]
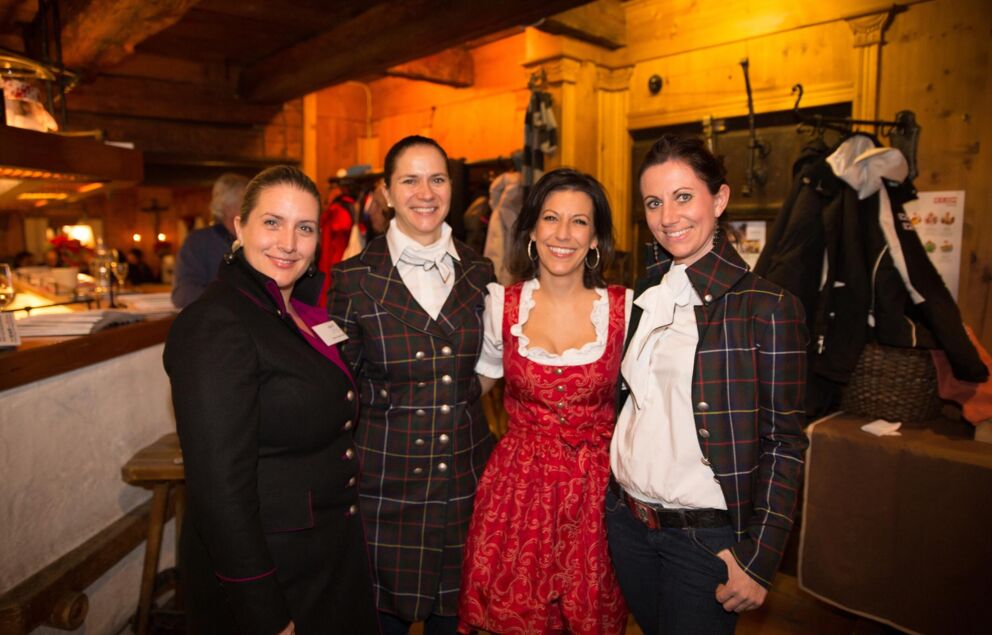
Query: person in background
[23, 259]
[411, 307]
[138, 271]
[708, 449]
[201, 253]
[536, 559]
[335, 227]
[265, 406]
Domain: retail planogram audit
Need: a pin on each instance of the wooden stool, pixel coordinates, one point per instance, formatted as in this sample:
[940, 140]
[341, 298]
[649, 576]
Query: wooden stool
[158, 467]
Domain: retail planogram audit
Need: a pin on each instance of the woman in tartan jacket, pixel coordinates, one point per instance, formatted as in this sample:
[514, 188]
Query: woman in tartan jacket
[411, 306]
[708, 449]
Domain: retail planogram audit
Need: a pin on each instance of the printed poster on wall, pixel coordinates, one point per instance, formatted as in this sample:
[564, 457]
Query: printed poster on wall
[939, 220]
[751, 240]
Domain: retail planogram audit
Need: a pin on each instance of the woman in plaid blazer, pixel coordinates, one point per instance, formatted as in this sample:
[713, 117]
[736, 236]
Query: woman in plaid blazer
[411, 305]
[708, 449]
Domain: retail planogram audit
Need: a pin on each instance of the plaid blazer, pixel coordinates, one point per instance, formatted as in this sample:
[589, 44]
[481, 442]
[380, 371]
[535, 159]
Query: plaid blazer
[748, 388]
[422, 437]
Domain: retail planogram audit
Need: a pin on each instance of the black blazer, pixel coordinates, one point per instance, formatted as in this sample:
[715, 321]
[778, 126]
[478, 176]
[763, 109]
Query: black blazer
[264, 421]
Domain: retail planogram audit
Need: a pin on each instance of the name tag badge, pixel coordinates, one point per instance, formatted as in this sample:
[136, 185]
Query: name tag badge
[9, 337]
[330, 333]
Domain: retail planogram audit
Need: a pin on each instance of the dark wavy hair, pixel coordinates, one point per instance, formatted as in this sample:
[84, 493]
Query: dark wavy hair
[270, 177]
[519, 262]
[402, 146]
[691, 151]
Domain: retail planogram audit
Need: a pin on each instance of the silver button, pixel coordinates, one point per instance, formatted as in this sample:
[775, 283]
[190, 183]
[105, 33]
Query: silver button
[444, 439]
[445, 409]
[702, 406]
[703, 432]
[418, 442]
[446, 350]
[706, 461]
[558, 370]
[561, 404]
[421, 384]
[353, 510]
[420, 412]
[349, 454]
[561, 419]
[708, 298]
[350, 396]
[418, 470]
[351, 482]
[446, 379]
[383, 393]
[419, 354]
[560, 388]
[348, 424]
[442, 467]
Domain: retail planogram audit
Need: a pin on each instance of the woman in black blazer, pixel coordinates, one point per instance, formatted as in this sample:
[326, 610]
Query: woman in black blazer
[273, 542]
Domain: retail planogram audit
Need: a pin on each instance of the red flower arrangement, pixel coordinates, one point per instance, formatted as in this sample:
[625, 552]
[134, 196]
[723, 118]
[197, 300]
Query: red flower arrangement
[71, 253]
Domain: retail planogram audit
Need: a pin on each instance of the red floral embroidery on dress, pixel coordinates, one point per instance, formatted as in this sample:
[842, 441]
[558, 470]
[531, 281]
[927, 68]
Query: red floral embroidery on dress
[536, 558]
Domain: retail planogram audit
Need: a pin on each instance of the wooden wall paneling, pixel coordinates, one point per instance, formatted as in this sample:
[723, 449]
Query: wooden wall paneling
[936, 61]
[614, 146]
[666, 27]
[709, 81]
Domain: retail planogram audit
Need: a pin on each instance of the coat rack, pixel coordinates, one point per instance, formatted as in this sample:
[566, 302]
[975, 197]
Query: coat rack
[903, 133]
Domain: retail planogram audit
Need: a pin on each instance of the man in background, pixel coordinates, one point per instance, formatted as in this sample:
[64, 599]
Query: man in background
[200, 256]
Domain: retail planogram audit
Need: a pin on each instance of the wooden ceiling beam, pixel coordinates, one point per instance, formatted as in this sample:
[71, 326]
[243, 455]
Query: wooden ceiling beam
[384, 36]
[97, 34]
[603, 22]
[453, 67]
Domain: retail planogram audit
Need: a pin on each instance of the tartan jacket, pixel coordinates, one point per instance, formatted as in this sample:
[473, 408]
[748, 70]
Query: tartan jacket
[747, 389]
[422, 437]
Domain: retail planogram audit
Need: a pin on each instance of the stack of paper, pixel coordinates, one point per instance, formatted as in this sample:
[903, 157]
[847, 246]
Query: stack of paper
[79, 323]
[149, 304]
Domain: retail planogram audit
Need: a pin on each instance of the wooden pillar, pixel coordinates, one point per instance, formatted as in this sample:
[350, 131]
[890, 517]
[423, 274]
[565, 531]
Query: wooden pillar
[868, 31]
[614, 147]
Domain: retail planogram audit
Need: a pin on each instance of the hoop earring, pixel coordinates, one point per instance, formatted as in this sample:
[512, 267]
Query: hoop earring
[529, 245]
[586, 260]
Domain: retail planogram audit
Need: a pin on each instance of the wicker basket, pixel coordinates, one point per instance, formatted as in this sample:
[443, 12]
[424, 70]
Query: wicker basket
[897, 384]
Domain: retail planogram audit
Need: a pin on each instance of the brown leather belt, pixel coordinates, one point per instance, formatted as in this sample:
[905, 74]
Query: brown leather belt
[657, 517]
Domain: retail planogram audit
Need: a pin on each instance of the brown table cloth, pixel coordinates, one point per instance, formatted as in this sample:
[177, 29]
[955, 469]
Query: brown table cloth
[899, 528]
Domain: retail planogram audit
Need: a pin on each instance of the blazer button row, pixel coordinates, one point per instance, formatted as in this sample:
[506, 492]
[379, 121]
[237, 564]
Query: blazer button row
[445, 350]
[441, 467]
[352, 510]
[349, 454]
[351, 481]
[348, 425]
[350, 396]
[444, 439]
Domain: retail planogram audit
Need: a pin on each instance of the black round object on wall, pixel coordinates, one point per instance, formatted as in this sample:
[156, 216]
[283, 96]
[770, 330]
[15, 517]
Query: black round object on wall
[654, 84]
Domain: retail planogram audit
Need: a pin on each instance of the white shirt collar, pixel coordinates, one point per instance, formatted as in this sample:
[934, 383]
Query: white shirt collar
[397, 242]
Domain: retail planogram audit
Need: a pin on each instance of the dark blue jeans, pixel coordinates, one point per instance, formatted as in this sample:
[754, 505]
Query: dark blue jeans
[433, 625]
[669, 576]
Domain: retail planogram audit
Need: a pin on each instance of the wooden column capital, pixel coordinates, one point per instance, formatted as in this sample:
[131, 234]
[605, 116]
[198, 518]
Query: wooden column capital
[869, 29]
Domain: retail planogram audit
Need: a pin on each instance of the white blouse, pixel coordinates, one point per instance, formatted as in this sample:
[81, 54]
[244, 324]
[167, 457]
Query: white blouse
[428, 285]
[490, 362]
[655, 454]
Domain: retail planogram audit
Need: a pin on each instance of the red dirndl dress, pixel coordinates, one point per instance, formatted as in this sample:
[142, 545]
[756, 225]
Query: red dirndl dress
[536, 558]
